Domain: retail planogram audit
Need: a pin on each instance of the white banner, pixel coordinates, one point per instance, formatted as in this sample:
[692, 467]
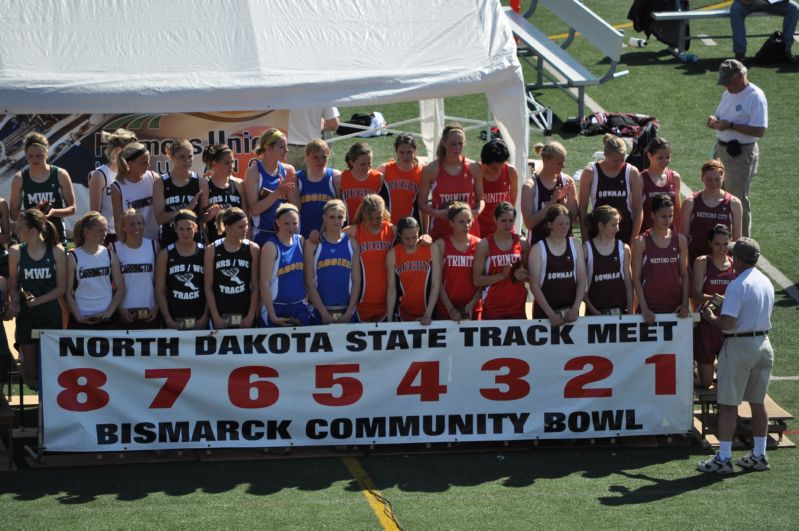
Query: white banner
[366, 384]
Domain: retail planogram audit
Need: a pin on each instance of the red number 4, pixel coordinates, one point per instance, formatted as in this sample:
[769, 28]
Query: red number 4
[428, 388]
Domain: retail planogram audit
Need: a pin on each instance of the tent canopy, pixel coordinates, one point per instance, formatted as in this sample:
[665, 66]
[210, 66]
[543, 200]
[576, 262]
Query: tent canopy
[133, 56]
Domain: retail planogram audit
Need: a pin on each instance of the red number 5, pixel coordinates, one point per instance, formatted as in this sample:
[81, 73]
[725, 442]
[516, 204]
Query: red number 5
[351, 388]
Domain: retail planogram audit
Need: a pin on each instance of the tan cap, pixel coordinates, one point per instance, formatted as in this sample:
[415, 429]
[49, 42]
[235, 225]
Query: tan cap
[728, 70]
[746, 249]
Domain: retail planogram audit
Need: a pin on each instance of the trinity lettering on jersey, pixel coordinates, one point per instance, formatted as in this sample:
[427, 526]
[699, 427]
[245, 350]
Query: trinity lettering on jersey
[451, 198]
[502, 260]
[36, 273]
[458, 260]
[494, 197]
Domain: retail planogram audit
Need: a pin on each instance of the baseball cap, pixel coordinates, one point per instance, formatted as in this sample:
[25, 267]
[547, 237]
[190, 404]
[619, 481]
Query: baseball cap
[728, 70]
[746, 249]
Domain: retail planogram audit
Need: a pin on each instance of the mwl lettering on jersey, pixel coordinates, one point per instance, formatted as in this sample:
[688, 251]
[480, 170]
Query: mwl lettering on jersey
[37, 273]
[38, 197]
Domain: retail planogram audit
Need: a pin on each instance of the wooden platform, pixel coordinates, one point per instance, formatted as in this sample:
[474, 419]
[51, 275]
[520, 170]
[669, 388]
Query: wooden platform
[705, 423]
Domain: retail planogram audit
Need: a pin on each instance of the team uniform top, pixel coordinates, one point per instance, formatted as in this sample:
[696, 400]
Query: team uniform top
[37, 277]
[93, 277]
[34, 193]
[137, 266]
[185, 295]
[265, 221]
[605, 274]
[506, 298]
[106, 206]
[703, 219]
[402, 187]
[226, 198]
[287, 284]
[333, 267]
[446, 190]
[313, 196]
[373, 251]
[139, 196]
[232, 274]
[707, 338]
[353, 191]
[651, 190]
[457, 278]
[176, 198]
[614, 191]
[541, 195]
[494, 192]
[413, 273]
[660, 274]
[558, 278]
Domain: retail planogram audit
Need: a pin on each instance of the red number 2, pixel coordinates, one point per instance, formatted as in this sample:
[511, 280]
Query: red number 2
[601, 368]
[85, 383]
[176, 381]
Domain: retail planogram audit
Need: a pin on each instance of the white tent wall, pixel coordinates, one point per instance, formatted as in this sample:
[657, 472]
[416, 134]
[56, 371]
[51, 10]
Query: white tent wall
[133, 56]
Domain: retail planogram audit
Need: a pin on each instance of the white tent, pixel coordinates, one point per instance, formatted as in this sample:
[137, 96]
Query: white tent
[132, 56]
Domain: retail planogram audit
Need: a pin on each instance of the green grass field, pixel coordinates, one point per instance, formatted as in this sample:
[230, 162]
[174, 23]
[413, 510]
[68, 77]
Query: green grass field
[566, 487]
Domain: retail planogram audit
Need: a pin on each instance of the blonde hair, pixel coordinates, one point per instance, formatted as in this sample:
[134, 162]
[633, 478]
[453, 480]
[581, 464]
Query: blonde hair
[269, 138]
[130, 152]
[177, 144]
[613, 145]
[316, 145]
[371, 203]
[131, 213]
[118, 139]
[550, 150]
[89, 220]
[333, 204]
[456, 128]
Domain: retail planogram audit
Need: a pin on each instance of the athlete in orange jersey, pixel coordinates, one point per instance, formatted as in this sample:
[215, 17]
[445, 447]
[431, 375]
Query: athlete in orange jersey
[499, 267]
[402, 179]
[418, 270]
[451, 177]
[459, 298]
[360, 179]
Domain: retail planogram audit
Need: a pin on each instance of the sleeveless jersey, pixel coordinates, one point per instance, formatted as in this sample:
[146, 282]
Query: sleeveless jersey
[139, 196]
[402, 187]
[138, 267]
[373, 250]
[542, 194]
[457, 277]
[651, 190]
[333, 268]
[704, 218]
[606, 277]
[413, 273]
[494, 192]
[660, 274]
[106, 206]
[93, 293]
[558, 278]
[287, 284]
[176, 198]
[353, 191]
[226, 197]
[614, 191]
[34, 193]
[446, 190]
[707, 338]
[506, 298]
[265, 221]
[37, 277]
[185, 294]
[232, 274]
[313, 196]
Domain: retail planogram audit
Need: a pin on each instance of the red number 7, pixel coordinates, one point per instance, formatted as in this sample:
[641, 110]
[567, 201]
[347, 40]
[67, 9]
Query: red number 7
[176, 381]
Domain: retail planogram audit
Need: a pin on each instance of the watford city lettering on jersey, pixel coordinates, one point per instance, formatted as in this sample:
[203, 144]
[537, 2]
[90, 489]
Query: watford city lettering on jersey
[375, 246]
[502, 260]
[664, 260]
[719, 281]
[37, 273]
[137, 268]
[140, 203]
[712, 215]
[612, 193]
[92, 272]
[416, 265]
[459, 260]
[334, 262]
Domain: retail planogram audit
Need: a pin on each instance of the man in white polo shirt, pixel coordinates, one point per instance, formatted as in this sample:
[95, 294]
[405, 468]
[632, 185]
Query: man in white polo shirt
[740, 119]
[745, 360]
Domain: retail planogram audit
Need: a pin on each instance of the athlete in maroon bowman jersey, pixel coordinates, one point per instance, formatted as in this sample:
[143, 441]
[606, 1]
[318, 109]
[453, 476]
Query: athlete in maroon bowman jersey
[607, 262]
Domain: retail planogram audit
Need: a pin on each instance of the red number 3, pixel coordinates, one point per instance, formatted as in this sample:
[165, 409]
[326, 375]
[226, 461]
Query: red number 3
[82, 389]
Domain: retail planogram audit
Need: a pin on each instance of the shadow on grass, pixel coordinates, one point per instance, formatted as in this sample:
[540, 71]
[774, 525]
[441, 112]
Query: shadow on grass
[659, 488]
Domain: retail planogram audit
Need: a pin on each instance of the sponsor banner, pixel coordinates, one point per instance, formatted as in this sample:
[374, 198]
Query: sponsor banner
[366, 384]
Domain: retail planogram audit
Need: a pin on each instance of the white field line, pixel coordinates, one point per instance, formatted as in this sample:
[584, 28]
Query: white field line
[785, 378]
[707, 41]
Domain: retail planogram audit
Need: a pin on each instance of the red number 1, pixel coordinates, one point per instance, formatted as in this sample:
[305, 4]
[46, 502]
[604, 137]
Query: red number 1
[665, 373]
